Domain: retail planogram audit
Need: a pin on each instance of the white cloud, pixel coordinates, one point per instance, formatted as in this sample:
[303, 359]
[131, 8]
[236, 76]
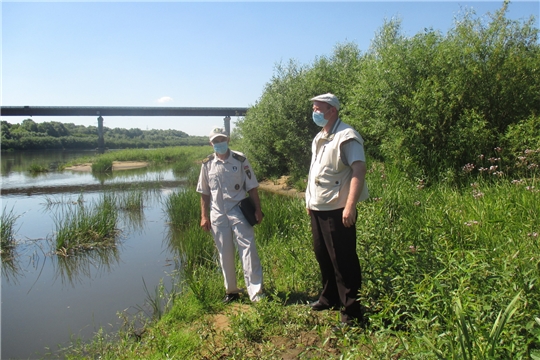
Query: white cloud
[164, 99]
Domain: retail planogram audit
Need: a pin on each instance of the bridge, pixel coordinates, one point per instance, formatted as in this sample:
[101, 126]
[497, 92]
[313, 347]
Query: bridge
[101, 111]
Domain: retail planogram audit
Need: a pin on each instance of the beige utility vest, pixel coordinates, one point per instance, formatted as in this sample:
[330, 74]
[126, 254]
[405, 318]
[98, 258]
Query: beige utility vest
[329, 178]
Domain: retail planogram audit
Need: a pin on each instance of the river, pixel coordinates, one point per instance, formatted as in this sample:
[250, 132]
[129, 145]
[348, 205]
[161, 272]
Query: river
[47, 299]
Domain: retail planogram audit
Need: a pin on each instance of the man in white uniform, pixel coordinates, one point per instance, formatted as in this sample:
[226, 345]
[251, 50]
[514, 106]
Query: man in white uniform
[226, 176]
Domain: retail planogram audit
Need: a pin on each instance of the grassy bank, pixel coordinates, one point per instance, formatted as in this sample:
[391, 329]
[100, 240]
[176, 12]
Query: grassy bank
[154, 156]
[447, 273]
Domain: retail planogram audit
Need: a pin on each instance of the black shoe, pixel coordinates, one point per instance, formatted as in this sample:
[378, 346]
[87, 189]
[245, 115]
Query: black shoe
[319, 306]
[230, 298]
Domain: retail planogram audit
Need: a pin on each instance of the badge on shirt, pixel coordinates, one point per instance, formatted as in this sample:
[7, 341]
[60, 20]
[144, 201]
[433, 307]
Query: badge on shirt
[236, 187]
[248, 172]
[234, 168]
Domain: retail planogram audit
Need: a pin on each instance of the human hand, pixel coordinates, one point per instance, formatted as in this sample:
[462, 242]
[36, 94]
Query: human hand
[349, 216]
[259, 216]
[205, 224]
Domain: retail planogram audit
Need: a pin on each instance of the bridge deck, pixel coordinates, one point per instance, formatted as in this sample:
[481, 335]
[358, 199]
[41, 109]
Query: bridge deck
[120, 111]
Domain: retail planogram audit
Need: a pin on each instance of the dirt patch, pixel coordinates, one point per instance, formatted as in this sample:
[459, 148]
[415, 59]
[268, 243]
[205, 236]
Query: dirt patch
[280, 186]
[117, 165]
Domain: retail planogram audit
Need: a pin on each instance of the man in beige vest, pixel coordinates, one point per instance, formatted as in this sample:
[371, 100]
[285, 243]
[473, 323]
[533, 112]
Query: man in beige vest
[336, 183]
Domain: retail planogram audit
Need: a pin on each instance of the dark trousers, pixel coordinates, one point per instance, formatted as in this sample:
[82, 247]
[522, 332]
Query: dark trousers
[335, 250]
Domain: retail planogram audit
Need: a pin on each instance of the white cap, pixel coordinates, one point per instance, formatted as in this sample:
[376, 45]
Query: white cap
[327, 98]
[217, 131]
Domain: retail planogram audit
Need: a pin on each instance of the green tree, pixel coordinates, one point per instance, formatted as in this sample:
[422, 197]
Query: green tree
[433, 103]
[277, 131]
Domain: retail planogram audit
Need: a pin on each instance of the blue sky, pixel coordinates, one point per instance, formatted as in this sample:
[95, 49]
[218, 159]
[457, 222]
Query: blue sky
[192, 54]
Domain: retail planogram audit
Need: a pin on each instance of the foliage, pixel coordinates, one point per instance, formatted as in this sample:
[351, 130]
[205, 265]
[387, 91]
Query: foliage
[102, 165]
[183, 156]
[277, 131]
[87, 226]
[447, 272]
[429, 103]
[36, 168]
[30, 135]
[437, 102]
[193, 247]
[7, 230]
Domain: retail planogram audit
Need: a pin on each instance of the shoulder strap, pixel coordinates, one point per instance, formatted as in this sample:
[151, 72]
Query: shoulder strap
[208, 158]
[238, 157]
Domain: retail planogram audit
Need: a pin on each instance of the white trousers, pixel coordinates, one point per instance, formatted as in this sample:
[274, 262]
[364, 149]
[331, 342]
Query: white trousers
[224, 237]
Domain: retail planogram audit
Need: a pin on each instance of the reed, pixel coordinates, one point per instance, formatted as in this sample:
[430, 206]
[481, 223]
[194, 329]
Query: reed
[7, 230]
[37, 169]
[131, 200]
[8, 255]
[183, 208]
[448, 271]
[155, 156]
[86, 226]
[102, 165]
[194, 248]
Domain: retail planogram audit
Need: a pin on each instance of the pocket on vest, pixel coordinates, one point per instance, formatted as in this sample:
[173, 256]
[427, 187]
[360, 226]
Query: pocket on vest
[327, 191]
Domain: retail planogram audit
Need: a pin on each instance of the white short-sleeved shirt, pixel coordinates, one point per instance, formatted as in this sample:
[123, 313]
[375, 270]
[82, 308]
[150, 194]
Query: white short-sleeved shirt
[226, 182]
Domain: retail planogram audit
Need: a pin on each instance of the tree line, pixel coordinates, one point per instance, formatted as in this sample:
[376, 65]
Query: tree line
[30, 135]
[431, 103]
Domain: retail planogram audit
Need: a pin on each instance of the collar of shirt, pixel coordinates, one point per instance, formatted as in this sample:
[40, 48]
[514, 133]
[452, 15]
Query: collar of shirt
[217, 158]
[329, 136]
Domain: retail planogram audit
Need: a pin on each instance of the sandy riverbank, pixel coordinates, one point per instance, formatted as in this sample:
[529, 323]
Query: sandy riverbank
[279, 186]
[117, 165]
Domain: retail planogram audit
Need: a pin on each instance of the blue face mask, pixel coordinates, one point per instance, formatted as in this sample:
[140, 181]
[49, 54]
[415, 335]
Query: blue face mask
[221, 148]
[318, 118]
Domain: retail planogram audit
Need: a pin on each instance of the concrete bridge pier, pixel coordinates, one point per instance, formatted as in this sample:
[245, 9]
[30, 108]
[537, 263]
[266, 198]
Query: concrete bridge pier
[101, 140]
[227, 124]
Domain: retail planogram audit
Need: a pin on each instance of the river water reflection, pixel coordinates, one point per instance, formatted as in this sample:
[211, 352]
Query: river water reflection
[48, 299]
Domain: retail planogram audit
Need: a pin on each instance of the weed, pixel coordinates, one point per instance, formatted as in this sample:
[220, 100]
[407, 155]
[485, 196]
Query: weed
[37, 169]
[87, 226]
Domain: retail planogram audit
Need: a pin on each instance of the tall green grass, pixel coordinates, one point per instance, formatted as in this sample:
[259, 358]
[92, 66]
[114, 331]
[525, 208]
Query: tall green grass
[155, 156]
[37, 169]
[7, 229]
[425, 249]
[86, 226]
[448, 272]
[9, 263]
[194, 248]
[102, 165]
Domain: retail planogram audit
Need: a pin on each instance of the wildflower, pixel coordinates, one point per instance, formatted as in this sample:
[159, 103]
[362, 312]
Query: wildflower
[417, 203]
[377, 199]
[474, 185]
[522, 158]
[471, 223]
[494, 160]
[481, 157]
[498, 173]
[517, 182]
[477, 194]
[493, 168]
[482, 169]
[532, 167]
[468, 168]
[498, 149]
[533, 234]
[413, 249]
